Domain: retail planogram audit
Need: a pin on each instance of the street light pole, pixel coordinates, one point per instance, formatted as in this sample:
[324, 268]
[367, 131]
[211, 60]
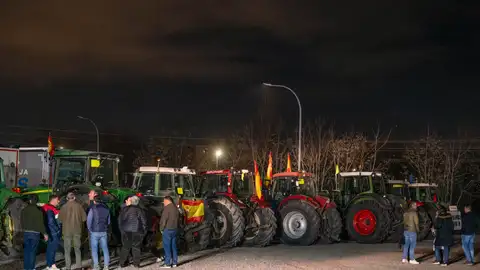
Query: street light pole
[96, 129]
[218, 153]
[299, 163]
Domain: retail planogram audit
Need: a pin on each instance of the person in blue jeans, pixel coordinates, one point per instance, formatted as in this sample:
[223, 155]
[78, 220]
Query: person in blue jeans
[411, 228]
[98, 220]
[54, 230]
[33, 228]
[468, 234]
[169, 227]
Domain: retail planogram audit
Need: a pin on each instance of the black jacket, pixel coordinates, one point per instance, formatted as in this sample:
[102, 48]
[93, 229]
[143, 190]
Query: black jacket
[469, 225]
[132, 219]
[444, 230]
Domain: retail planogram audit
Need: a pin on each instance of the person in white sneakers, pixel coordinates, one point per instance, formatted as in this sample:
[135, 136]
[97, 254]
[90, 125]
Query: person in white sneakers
[410, 222]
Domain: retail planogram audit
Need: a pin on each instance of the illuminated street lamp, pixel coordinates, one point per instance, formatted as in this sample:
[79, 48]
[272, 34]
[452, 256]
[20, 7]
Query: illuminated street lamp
[218, 154]
[299, 159]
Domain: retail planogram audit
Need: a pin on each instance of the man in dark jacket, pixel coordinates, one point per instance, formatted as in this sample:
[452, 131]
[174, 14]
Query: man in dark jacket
[468, 234]
[168, 227]
[33, 227]
[73, 217]
[98, 219]
[444, 236]
[133, 225]
[54, 230]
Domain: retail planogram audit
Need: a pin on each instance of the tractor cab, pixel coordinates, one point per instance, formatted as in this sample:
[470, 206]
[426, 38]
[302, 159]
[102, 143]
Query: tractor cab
[353, 184]
[398, 188]
[226, 182]
[286, 184]
[423, 192]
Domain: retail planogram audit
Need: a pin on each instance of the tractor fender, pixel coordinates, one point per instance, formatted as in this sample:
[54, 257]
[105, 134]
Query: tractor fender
[303, 198]
[232, 197]
[380, 199]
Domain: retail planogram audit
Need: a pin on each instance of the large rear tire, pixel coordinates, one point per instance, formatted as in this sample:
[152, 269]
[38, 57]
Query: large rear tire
[228, 223]
[332, 226]
[262, 228]
[367, 222]
[201, 239]
[397, 228]
[425, 223]
[300, 223]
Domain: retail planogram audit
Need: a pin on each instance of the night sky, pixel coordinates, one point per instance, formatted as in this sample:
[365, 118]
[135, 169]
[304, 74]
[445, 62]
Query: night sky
[197, 66]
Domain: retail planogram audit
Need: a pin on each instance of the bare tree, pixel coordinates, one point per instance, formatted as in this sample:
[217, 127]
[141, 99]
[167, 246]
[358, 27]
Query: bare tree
[153, 149]
[350, 151]
[454, 158]
[371, 159]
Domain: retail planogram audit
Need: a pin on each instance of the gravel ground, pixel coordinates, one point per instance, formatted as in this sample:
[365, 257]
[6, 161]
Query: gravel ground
[337, 256]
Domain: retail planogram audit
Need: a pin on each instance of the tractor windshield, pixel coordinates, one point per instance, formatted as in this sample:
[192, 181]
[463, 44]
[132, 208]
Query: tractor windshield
[145, 182]
[285, 186]
[105, 173]
[214, 183]
[241, 185]
[420, 194]
[397, 189]
[70, 171]
[185, 182]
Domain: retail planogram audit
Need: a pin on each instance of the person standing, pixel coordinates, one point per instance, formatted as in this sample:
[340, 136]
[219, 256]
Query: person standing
[168, 227]
[72, 216]
[444, 236]
[410, 223]
[98, 219]
[33, 228]
[468, 234]
[53, 229]
[133, 225]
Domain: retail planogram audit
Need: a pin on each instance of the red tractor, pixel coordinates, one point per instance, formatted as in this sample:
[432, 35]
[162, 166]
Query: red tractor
[253, 224]
[305, 216]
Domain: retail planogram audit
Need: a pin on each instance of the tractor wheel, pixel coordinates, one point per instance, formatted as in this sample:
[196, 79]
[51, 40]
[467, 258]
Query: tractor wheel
[397, 229]
[332, 226]
[228, 222]
[367, 222]
[201, 239]
[425, 223]
[11, 244]
[262, 228]
[300, 223]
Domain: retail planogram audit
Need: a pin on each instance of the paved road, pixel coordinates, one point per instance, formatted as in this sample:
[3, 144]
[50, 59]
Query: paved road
[337, 256]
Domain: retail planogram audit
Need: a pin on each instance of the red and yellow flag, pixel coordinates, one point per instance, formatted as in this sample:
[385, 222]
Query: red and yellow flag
[258, 181]
[195, 210]
[269, 168]
[289, 163]
[51, 147]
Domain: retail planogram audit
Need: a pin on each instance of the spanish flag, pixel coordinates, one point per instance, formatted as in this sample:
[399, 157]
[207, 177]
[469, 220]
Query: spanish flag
[51, 148]
[289, 163]
[195, 210]
[258, 181]
[269, 168]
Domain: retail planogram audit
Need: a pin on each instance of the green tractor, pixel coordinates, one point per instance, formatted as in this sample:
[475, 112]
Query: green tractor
[370, 214]
[10, 228]
[152, 184]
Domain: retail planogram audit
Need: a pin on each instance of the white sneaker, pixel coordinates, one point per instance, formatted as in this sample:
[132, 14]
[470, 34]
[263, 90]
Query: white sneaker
[413, 262]
[404, 260]
[161, 259]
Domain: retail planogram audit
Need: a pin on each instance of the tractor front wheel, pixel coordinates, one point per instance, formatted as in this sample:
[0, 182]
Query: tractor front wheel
[261, 228]
[228, 222]
[425, 223]
[367, 222]
[300, 223]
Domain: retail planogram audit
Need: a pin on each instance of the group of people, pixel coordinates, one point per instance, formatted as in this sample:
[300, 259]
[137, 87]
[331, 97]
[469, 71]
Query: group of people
[443, 229]
[68, 223]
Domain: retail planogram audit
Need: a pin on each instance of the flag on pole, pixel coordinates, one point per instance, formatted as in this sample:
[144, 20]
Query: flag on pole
[337, 169]
[270, 167]
[289, 163]
[51, 147]
[258, 181]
